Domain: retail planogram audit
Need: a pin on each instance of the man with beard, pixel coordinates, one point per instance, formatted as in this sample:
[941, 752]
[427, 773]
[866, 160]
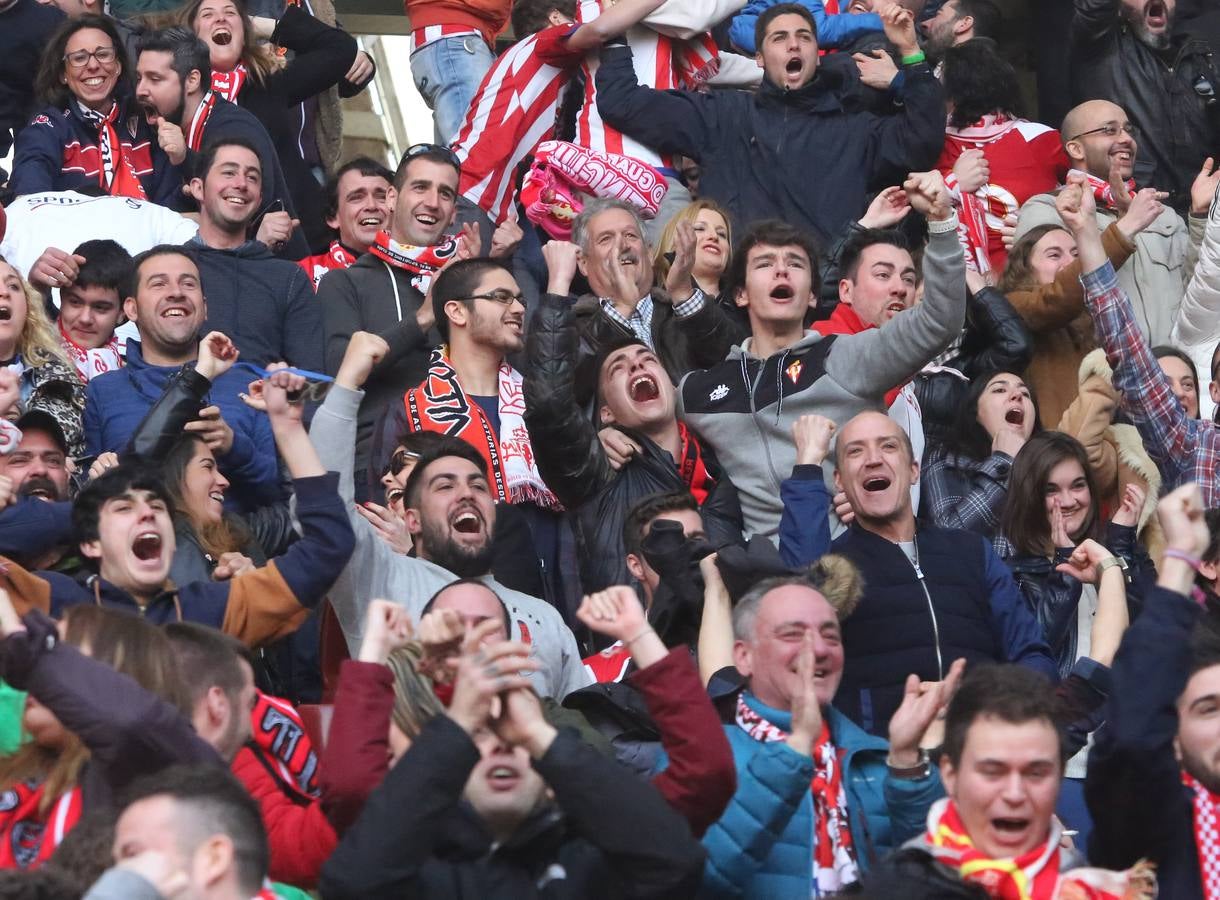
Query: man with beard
[472, 392]
[359, 199]
[1127, 51]
[35, 488]
[173, 77]
[450, 514]
[1154, 773]
[959, 21]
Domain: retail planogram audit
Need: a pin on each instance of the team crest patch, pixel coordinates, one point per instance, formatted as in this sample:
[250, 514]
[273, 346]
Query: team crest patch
[719, 392]
[794, 371]
[40, 119]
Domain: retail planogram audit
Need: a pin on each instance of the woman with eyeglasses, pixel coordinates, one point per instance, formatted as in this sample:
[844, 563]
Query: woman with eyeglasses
[249, 69]
[90, 136]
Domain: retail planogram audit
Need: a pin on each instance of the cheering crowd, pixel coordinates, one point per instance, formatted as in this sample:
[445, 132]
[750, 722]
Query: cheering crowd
[747, 453]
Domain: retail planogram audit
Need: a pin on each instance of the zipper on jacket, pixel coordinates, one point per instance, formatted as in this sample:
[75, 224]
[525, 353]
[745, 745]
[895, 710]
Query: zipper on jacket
[940, 663]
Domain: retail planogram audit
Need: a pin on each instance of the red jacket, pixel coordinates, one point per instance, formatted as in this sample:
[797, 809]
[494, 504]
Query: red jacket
[357, 753]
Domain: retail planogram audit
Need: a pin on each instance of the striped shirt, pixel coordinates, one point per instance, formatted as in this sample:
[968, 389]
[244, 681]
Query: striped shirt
[513, 112]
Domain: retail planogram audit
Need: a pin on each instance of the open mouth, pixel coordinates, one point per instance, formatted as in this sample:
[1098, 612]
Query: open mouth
[794, 66]
[1010, 826]
[503, 778]
[782, 292]
[222, 37]
[426, 220]
[876, 483]
[712, 248]
[175, 312]
[217, 496]
[644, 388]
[1156, 15]
[1124, 156]
[896, 307]
[39, 488]
[516, 324]
[467, 523]
[95, 81]
[147, 546]
[1015, 416]
[6, 313]
[370, 222]
[239, 202]
[628, 259]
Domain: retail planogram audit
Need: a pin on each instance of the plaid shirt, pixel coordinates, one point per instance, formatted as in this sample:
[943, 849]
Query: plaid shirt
[1184, 449]
[960, 492]
[639, 323]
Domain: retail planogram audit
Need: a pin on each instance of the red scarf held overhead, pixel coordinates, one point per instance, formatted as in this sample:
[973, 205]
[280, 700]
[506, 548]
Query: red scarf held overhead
[834, 857]
[1033, 876]
[1103, 191]
[1206, 809]
[229, 84]
[422, 262]
[27, 838]
[115, 173]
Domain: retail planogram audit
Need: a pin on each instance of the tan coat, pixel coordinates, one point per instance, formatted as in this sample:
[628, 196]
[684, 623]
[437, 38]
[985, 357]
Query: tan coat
[1116, 453]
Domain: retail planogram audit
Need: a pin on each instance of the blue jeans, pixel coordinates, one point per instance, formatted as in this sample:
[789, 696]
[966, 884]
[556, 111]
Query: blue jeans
[447, 73]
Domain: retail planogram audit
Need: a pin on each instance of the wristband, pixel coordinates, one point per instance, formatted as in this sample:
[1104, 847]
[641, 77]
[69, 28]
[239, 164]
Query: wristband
[920, 770]
[943, 226]
[1192, 561]
[916, 57]
[647, 630]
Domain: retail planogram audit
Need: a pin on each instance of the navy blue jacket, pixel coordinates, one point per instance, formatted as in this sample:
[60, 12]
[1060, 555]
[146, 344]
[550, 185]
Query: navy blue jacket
[971, 609]
[116, 403]
[804, 525]
[799, 156]
[58, 151]
[265, 305]
[259, 605]
[1140, 808]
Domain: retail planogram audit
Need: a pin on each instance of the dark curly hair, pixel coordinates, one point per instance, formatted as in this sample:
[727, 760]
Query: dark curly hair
[979, 81]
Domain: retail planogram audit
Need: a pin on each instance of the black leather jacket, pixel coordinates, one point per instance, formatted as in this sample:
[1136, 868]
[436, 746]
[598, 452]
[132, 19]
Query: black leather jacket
[1054, 597]
[996, 339]
[1172, 95]
[574, 465]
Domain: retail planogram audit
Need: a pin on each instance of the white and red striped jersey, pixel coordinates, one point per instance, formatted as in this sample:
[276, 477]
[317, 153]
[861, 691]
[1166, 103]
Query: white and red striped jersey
[513, 112]
[660, 62]
[422, 37]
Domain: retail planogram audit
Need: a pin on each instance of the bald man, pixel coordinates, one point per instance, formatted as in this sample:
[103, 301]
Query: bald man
[1101, 143]
[931, 595]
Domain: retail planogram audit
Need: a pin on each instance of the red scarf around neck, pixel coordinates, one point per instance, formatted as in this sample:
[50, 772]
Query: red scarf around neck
[1103, 192]
[199, 122]
[834, 857]
[115, 172]
[1206, 808]
[90, 363]
[1035, 875]
[229, 84]
[691, 466]
[422, 262]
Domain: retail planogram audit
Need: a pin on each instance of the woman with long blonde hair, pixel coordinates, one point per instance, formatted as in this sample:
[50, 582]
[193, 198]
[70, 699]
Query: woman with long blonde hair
[30, 348]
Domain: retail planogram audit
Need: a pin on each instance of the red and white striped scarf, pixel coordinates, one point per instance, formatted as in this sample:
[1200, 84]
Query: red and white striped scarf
[972, 227]
[194, 132]
[834, 857]
[1103, 191]
[229, 84]
[115, 174]
[1206, 807]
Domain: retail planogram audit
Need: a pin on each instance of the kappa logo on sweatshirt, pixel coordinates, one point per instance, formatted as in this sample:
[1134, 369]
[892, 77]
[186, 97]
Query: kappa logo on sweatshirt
[719, 393]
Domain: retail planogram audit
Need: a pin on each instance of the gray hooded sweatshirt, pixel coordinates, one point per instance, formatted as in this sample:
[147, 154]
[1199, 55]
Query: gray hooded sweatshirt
[377, 571]
[745, 407]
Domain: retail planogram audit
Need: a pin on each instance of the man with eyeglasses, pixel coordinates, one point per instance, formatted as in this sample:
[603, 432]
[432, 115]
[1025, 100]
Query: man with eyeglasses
[1128, 51]
[1102, 146]
[472, 392]
[386, 291]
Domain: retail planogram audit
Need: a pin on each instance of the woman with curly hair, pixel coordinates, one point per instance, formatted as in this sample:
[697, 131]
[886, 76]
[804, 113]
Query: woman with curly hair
[30, 348]
[993, 159]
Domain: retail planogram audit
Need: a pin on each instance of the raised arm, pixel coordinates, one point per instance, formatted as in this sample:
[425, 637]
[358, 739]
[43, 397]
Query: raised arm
[322, 55]
[834, 30]
[911, 138]
[872, 362]
[1198, 321]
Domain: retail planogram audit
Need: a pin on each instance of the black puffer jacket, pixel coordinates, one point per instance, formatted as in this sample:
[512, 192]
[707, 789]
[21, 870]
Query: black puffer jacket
[1053, 597]
[995, 339]
[1174, 96]
[574, 465]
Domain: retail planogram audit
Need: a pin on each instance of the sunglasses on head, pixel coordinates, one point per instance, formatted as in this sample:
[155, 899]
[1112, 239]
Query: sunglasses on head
[420, 149]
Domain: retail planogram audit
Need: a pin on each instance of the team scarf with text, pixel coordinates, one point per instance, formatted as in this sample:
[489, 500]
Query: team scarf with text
[973, 219]
[1034, 875]
[1206, 809]
[28, 837]
[90, 363]
[229, 84]
[115, 172]
[421, 262]
[1103, 191]
[439, 404]
[834, 857]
